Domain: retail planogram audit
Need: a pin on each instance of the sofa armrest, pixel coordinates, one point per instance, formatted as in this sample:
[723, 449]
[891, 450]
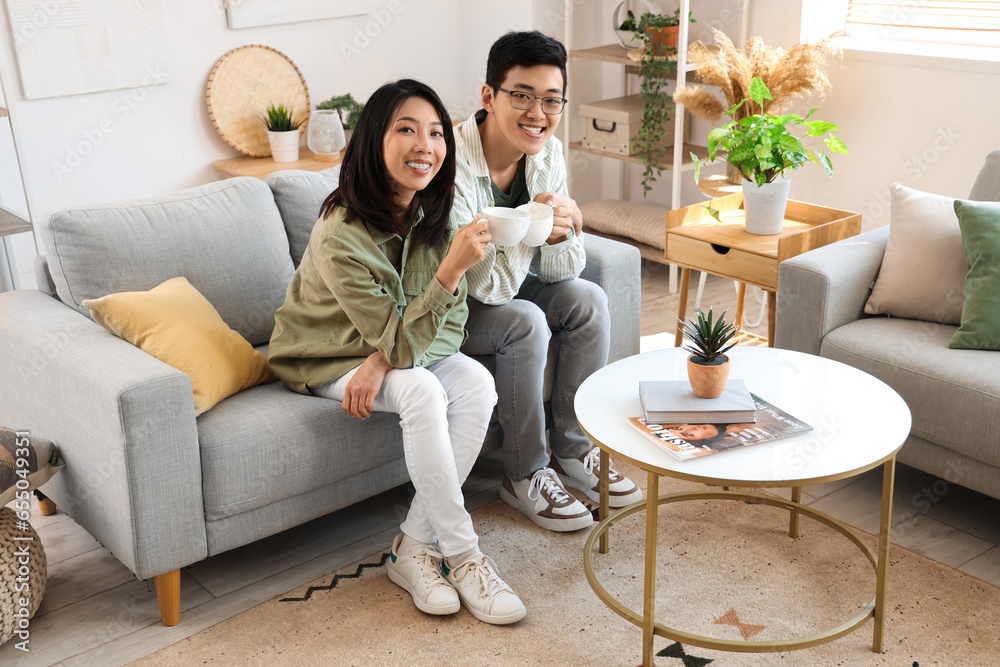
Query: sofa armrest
[617, 268]
[124, 423]
[826, 288]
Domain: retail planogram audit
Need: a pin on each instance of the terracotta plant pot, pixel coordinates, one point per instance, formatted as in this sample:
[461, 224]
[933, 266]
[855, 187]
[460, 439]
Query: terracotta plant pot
[664, 36]
[708, 381]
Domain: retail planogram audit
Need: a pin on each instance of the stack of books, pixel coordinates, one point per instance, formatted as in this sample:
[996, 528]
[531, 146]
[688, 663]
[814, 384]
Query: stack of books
[687, 427]
[673, 402]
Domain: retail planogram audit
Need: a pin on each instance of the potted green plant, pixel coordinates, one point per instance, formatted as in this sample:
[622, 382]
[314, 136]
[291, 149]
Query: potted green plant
[708, 366]
[283, 129]
[662, 28]
[655, 66]
[625, 27]
[764, 148]
[348, 108]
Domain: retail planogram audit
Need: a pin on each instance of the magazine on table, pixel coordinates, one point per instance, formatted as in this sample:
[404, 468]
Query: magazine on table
[688, 441]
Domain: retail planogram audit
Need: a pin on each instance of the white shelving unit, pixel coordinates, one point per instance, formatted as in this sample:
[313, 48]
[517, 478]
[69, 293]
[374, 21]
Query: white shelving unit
[679, 160]
[11, 222]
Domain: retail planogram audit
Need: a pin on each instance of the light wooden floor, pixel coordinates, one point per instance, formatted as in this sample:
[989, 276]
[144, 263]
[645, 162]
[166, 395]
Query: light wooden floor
[96, 613]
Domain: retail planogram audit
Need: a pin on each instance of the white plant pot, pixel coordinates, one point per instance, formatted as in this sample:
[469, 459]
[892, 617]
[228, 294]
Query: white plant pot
[284, 145]
[765, 205]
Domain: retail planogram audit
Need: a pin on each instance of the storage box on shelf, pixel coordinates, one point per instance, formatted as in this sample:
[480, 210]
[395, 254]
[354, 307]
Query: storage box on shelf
[611, 125]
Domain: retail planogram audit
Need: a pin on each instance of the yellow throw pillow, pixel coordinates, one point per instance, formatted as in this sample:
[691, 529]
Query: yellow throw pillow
[176, 324]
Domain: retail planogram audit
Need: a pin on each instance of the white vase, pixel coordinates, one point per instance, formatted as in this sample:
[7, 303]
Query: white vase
[765, 205]
[325, 135]
[284, 145]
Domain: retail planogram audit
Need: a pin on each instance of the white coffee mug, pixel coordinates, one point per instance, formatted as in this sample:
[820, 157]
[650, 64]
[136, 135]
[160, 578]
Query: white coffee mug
[540, 227]
[506, 225]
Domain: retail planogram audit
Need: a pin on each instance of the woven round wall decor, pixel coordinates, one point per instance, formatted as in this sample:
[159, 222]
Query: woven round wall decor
[242, 84]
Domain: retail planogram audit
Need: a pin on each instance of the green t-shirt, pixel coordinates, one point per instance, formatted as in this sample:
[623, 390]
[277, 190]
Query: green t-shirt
[518, 190]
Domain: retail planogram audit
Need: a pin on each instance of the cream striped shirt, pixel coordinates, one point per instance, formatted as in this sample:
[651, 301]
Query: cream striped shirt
[497, 278]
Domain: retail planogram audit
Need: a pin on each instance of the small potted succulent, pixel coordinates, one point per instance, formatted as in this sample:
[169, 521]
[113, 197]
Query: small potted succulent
[708, 365]
[283, 129]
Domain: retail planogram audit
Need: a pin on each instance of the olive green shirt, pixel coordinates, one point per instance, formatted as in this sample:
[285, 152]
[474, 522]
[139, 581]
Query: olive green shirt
[356, 291]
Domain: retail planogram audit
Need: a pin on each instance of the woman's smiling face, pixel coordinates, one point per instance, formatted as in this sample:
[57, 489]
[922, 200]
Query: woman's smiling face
[414, 148]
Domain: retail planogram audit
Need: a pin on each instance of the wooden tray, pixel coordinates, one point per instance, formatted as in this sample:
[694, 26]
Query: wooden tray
[242, 84]
[695, 240]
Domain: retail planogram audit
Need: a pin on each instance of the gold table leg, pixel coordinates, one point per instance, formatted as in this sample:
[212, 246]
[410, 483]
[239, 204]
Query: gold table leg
[649, 583]
[793, 520]
[882, 569]
[605, 497]
[682, 305]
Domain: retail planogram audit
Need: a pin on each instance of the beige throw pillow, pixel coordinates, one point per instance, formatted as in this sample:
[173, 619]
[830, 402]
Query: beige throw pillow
[923, 271]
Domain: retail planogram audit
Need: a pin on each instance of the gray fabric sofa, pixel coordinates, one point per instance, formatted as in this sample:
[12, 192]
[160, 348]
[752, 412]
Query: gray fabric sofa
[157, 486]
[953, 395]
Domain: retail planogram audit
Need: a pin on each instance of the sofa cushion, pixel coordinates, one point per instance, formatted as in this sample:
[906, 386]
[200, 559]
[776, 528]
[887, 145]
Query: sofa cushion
[987, 185]
[923, 271]
[225, 237]
[299, 196]
[268, 443]
[176, 324]
[953, 395]
[980, 327]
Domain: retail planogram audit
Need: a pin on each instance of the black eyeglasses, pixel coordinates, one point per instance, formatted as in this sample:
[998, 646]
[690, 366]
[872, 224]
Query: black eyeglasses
[521, 101]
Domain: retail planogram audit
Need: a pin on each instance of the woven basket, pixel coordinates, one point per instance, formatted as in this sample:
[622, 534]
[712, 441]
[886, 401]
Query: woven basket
[11, 570]
[242, 84]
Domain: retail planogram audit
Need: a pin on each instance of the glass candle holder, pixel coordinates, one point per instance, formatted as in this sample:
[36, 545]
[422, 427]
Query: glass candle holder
[325, 134]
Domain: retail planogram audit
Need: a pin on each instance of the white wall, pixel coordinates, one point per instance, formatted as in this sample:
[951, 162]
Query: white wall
[160, 136]
[924, 122]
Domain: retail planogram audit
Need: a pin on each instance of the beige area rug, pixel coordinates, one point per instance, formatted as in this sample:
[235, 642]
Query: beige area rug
[726, 569]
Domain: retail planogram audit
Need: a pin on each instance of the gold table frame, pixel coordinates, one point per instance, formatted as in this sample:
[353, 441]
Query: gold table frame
[875, 609]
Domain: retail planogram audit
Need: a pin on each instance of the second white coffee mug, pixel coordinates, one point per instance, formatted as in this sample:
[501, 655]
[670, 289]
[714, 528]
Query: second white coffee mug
[507, 226]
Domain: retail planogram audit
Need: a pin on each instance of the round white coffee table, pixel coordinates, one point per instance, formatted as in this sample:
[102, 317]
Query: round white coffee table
[858, 423]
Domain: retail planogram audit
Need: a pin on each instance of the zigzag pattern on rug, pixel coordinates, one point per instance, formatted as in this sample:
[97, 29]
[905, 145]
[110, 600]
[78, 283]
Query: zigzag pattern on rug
[337, 578]
[676, 650]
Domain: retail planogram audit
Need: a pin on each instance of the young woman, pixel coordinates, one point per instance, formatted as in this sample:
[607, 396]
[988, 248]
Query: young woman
[374, 318]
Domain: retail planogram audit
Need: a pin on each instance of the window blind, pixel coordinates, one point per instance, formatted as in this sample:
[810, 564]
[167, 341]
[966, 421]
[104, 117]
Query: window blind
[948, 21]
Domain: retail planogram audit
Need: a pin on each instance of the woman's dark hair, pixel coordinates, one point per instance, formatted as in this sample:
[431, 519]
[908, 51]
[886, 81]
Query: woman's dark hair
[524, 49]
[365, 185]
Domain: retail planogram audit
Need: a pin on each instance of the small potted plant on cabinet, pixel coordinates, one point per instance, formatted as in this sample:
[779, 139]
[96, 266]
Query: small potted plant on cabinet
[763, 148]
[708, 365]
[283, 129]
[348, 108]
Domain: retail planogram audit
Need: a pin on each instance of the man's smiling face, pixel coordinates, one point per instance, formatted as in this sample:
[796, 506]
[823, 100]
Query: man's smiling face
[526, 130]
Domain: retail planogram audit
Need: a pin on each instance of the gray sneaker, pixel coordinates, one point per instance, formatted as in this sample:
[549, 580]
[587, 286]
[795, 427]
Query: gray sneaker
[583, 474]
[545, 501]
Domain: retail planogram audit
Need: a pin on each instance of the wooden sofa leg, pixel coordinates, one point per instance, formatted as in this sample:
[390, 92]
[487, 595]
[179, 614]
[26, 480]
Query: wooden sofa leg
[46, 506]
[168, 593]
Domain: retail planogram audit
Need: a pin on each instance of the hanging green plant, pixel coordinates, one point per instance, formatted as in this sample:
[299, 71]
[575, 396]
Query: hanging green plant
[657, 63]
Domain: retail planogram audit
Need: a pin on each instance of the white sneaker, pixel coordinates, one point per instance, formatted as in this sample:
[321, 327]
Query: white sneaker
[484, 593]
[545, 501]
[583, 474]
[419, 574]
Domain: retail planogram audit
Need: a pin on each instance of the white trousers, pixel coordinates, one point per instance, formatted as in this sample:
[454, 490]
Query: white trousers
[444, 411]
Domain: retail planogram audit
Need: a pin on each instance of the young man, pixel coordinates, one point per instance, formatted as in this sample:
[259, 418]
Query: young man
[521, 297]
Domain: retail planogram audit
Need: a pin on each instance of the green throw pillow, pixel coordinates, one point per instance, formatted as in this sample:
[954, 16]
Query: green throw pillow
[980, 224]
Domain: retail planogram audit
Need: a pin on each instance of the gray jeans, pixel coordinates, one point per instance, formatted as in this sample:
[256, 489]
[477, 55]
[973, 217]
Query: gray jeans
[517, 333]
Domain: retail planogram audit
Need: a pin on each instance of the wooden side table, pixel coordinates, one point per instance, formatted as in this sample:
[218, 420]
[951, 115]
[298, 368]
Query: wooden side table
[697, 241]
[259, 167]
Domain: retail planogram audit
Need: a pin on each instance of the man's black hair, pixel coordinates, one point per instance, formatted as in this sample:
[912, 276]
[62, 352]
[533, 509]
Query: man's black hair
[524, 49]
